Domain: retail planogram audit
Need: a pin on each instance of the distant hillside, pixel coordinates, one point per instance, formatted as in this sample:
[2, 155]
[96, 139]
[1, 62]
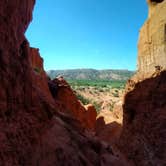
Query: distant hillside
[91, 74]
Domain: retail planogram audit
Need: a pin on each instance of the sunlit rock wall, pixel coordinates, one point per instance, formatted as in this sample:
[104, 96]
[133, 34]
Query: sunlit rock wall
[144, 117]
[152, 39]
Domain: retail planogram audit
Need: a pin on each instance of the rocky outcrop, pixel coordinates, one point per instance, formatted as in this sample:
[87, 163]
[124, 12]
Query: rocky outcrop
[152, 6]
[143, 133]
[15, 72]
[152, 40]
[144, 117]
[32, 131]
[109, 124]
[67, 102]
[40, 124]
[39, 77]
[91, 115]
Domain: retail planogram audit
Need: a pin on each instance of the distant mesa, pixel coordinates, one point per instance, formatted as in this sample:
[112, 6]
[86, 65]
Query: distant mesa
[91, 74]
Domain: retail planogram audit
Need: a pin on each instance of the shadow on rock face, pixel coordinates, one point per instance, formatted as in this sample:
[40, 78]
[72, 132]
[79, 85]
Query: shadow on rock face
[157, 1]
[108, 132]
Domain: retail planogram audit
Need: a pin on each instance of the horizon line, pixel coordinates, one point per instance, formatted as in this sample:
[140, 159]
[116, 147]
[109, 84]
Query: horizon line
[91, 69]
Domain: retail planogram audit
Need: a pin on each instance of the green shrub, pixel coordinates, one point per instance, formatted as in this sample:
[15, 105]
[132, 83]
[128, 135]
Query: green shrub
[115, 94]
[37, 70]
[86, 101]
[101, 90]
[98, 83]
[112, 106]
[97, 106]
[83, 99]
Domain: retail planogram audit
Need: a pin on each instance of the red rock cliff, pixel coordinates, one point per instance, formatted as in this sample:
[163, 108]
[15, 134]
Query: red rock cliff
[144, 119]
[32, 131]
[143, 136]
[67, 102]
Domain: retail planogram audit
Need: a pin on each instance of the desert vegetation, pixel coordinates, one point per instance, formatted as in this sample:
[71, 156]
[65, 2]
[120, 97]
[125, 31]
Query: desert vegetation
[92, 74]
[102, 88]
[103, 94]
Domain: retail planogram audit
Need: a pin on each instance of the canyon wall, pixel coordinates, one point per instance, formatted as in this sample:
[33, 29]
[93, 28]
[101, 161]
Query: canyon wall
[36, 125]
[32, 129]
[143, 134]
[152, 40]
[144, 118]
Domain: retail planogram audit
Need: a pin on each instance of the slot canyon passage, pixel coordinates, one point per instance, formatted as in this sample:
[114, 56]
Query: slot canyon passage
[42, 123]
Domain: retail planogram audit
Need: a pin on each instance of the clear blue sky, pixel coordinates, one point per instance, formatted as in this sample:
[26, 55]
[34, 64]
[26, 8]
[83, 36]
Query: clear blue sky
[100, 34]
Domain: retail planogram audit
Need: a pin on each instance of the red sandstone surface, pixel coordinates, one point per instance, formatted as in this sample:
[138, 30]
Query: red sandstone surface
[144, 135]
[67, 102]
[42, 122]
[32, 130]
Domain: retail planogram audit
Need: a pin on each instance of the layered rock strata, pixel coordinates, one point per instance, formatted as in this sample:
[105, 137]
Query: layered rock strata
[32, 131]
[143, 134]
[152, 40]
[144, 117]
[67, 102]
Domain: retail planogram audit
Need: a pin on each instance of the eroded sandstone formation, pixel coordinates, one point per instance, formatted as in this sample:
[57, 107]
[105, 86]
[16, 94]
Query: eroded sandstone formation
[143, 135]
[32, 130]
[152, 6]
[144, 117]
[67, 102]
[109, 124]
[152, 40]
[39, 77]
[40, 124]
